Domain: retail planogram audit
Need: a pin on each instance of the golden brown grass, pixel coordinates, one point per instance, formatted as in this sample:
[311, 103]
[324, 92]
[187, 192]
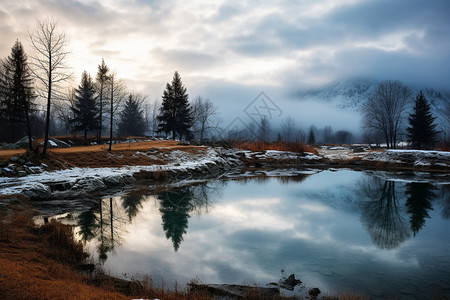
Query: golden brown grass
[41, 263]
[98, 155]
[280, 146]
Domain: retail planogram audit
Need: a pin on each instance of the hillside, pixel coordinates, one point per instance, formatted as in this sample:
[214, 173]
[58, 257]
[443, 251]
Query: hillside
[351, 94]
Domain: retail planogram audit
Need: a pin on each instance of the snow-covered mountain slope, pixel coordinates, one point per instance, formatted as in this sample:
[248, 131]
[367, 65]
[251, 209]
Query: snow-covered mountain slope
[351, 94]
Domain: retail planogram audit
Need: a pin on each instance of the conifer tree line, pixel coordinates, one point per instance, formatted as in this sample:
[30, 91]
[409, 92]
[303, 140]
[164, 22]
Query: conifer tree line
[35, 102]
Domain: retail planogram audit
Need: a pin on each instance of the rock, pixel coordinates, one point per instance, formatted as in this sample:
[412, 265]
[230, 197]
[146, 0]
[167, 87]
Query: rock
[23, 142]
[14, 159]
[10, 146]
[22, 173]
[60, 186]
[22, 161]
[314, 292]
[3, 164]
[113, 181]
[183, 143]
[90, 184]
[37, 191]
[289, 283]
[28, 170]
[29, 164]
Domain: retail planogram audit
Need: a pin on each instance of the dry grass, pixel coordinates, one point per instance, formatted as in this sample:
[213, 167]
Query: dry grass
[296, 147]
[98, 155]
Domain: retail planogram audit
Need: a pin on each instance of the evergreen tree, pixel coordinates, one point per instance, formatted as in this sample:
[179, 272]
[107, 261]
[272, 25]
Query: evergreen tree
[102, 77]
[422, 131]
[16, 91]
[311, 137]
[132, 121]
[175, 115]
[85, 109]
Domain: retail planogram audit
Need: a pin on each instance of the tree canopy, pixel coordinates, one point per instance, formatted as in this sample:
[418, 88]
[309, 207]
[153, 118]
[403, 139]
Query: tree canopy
[422, 130]
[132, 121]
[86, 112]
[175, 114]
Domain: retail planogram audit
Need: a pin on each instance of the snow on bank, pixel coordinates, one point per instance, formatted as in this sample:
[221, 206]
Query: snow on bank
[90, 178]
[416, 158]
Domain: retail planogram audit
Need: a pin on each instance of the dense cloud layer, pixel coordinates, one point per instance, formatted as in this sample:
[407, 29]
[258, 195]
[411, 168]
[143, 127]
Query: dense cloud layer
[278, 47]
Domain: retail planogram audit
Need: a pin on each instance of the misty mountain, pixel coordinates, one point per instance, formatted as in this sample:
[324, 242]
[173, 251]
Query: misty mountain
[349, 95]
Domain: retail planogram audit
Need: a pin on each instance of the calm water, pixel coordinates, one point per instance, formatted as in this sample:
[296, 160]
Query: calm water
[338, 231]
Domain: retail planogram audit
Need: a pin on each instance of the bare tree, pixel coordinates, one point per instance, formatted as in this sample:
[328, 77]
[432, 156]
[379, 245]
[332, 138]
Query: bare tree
[288, 130]
[343, 137]
[328, 136]
[151, 111]
[264, 130]
[204, 115]
[117, 93]
[64, 112]
[384, 111]
[49, 63]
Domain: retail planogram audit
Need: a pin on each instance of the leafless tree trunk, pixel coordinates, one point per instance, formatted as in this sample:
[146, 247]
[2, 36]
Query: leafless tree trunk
[288, 130]
[49, 63]
[117, 94]
[384, 110]
[264, 130]
[204, 115]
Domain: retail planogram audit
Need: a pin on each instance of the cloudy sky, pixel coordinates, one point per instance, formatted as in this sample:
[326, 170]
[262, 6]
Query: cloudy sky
[230, 51]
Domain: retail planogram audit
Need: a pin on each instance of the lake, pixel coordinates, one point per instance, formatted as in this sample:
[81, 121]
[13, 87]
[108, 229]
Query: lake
[341, 231]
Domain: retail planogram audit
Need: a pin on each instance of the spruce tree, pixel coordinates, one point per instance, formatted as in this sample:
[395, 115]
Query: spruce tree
[132, 121]
[85, 109]
[311, 137]
[175, 116]
[102, 77]
[16, 91]
[422, 131]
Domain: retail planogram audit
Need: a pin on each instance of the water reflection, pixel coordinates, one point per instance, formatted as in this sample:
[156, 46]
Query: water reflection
[387, 209]
[175, 208]
[419, 200]
[107, 223]
[381, 213]
[334, 229]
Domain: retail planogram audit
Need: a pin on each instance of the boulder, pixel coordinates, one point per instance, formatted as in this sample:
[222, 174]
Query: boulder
[314, 292]
[23, 142]
[10, 146]
[113, 181]
[14, 159]
[37, 191]
[90, 184]
[289, 283]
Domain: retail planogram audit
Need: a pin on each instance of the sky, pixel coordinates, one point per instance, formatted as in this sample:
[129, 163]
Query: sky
[231, 51]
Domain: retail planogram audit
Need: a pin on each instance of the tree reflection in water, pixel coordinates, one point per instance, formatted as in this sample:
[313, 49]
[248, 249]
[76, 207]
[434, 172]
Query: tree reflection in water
[419, 200]
[106, 223]
[381, 215]
[178, 204]
[445, 196]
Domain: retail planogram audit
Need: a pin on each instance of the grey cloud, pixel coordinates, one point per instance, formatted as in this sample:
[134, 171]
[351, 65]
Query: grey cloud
[185, 58]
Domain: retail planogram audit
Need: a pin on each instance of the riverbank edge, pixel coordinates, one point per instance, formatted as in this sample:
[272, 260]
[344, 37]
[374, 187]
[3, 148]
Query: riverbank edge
[88, 183]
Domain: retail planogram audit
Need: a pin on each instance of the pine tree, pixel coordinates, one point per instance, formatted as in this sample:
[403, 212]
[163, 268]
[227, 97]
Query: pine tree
[132, 121]
[311, 137]
[422, 131]
[85, 107]
[175, 116]
[102, 77]
[16, 91]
